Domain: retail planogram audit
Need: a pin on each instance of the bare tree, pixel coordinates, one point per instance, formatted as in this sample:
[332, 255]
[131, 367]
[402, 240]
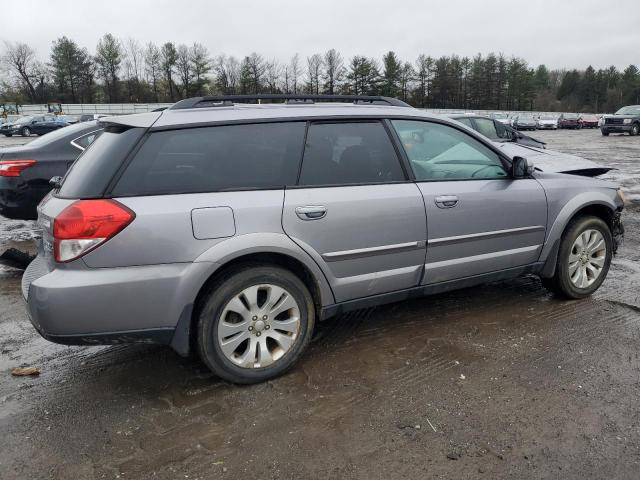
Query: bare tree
[133, 62]
[227, 74]
[314, 71]
[20, 60]
[273, 76]
[294, 72]
[153, 67]
[333, 71]
[183, 64]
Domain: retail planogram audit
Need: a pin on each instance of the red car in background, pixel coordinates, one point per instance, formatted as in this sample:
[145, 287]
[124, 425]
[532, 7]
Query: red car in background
[589, 121]
[570, 120]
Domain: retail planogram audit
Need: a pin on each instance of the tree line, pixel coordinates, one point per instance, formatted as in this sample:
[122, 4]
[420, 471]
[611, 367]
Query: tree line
[126, 71]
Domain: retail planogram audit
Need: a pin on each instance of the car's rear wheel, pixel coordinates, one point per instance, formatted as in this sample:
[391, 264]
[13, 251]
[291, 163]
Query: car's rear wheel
[255, 323]
[635, 130]
[584, 258]
[25, 132]
[7, 135]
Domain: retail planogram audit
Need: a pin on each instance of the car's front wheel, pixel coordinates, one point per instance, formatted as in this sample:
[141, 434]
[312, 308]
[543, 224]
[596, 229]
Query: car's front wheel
[605, 133]
[584, 258]
[255, 323]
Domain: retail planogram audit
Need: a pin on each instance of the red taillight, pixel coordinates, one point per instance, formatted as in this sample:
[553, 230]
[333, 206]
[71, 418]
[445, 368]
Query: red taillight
[13, 168]
[85, 224]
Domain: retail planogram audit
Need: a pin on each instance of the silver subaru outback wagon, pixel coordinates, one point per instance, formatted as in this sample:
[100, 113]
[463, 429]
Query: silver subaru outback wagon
[231, 228]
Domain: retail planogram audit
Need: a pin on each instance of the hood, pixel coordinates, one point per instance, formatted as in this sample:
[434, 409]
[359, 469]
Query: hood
[551, 161]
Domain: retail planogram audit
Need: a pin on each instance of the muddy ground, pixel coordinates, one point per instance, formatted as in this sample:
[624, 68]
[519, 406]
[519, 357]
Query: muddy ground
[502, 381]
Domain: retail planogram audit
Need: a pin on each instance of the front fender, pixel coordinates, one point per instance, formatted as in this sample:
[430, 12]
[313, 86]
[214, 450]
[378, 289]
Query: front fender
[253, 243]
[569, 211]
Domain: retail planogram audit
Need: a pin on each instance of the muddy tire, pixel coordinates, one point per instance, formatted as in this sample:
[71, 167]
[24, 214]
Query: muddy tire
[635, 130]
[583, 260]
[255, 323]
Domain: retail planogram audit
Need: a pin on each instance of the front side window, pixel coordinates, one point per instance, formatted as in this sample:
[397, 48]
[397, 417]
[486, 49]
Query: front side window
[209, 159]
[440, 152]
[349, 153]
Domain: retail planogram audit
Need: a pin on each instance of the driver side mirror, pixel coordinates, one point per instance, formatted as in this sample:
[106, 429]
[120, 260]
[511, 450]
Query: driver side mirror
[521, 168]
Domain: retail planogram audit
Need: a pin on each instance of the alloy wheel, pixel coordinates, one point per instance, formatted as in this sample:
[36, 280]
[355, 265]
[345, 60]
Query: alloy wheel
[258, 326]
[587, 258]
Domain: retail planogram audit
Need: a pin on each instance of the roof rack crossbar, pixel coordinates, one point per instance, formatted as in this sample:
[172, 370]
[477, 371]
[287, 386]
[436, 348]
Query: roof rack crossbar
[228, 100]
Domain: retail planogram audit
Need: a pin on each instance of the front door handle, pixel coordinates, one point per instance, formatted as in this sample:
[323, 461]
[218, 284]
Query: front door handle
[446, 201]
[311, 212]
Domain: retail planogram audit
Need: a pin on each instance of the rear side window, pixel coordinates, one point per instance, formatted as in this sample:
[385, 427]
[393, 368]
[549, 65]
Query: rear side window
[349, 153]
[92, 171]
[208, 159]
[487, 128]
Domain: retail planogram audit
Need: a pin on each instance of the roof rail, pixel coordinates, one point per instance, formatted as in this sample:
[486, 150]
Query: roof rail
[227, 100]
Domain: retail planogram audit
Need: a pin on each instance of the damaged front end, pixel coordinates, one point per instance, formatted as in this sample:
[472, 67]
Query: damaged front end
[617, 230]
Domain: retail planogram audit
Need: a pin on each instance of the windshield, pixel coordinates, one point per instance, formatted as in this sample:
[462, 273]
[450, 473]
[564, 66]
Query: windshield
[570, 116]
[547, 117]
[500, 115]
[635, 110]
[24, 119]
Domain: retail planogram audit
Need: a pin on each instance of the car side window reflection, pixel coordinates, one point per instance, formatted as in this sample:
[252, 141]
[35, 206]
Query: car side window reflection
[439, 153]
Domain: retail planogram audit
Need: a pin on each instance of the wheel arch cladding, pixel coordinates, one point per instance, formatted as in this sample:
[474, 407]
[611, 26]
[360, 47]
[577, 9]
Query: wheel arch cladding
[599, 205]
[239, 252]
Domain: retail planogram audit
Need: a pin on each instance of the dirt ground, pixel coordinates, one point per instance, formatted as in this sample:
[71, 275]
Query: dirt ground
[502, 381]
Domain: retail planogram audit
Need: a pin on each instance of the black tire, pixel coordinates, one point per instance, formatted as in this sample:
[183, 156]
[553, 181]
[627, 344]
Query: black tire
[217, 297]
[8, 135]
[605, 133]
[561, 283]
[635, 129]
[25, 132]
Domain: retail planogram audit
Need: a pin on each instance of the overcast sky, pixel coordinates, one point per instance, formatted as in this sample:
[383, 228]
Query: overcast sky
[559, 33]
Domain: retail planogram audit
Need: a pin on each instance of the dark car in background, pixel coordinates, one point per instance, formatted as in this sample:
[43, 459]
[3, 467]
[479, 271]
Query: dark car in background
[570, 120]
[25, 170]
[32, 124]
[589, 120]
[625, 120]
[525, 122]
[496, 130]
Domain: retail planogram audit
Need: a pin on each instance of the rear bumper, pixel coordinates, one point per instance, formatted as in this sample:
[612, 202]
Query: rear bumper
[110, 305]
[19, 199]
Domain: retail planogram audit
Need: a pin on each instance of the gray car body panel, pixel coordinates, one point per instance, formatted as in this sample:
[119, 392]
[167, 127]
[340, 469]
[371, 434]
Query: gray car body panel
[552, 161]
[375, 242]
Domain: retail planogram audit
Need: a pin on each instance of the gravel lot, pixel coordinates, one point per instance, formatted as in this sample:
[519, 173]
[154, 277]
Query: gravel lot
[502, 381]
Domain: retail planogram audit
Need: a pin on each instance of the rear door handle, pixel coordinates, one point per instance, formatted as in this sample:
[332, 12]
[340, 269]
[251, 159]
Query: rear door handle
[446, 201]
[311, 212]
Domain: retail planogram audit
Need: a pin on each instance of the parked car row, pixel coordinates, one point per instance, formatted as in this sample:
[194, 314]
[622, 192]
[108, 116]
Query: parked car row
[524, 121]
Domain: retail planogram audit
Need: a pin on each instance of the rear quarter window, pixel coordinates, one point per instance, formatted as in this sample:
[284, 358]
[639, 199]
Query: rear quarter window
[94, 169]
[208, 159]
